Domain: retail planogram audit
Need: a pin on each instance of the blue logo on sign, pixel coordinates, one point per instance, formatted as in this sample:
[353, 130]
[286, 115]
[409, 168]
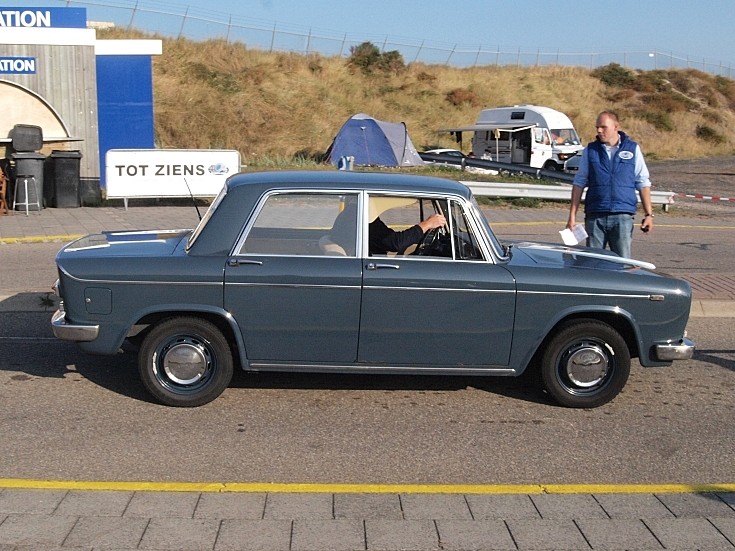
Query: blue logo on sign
[219, 168]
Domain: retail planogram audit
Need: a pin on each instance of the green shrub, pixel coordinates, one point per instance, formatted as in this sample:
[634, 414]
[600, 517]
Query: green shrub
[368, 59]
[658, 119]
[614, 74]
[225, 82]
[708, 134]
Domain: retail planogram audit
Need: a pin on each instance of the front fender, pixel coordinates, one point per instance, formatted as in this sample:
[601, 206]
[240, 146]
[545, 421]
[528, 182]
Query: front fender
[531, 332]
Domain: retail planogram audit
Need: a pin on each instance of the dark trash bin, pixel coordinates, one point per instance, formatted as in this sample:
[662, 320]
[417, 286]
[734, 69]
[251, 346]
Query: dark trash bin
[26, 138]
[61, 188]
[29, 165]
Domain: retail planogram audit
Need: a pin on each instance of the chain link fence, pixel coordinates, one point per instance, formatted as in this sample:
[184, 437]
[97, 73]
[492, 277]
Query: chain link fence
[194, 23]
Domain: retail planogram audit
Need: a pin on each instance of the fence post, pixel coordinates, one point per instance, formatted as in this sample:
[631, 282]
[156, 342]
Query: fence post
[273, 38]
[183, 22]
[450, 54]
[132, 15]
[418, 52]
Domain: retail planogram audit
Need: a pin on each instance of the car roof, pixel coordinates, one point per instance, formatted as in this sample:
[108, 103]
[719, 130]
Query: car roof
[347, 180]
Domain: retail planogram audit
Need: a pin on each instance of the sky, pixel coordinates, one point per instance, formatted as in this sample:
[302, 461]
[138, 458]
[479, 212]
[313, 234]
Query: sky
[658, 33]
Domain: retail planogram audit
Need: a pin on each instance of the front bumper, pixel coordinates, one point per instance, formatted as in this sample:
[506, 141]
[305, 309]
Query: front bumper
[682, 350]
[70, 332]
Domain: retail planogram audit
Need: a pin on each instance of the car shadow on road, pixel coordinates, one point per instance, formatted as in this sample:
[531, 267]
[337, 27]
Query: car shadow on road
[520, 388]
[715, 357]
[29, 350]
[119, 374]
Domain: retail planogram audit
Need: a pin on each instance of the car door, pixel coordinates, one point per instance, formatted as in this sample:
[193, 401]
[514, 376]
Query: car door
[455, 311]
[294, 292]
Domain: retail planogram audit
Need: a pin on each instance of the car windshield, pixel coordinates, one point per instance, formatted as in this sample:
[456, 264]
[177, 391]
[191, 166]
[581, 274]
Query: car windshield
[565, 136]
[206, 217]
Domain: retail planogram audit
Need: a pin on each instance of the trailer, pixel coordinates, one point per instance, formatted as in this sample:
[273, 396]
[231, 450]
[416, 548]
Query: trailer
[530, 135]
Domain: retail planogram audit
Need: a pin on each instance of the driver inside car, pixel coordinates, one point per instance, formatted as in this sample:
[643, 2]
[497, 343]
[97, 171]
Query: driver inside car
[384, 240]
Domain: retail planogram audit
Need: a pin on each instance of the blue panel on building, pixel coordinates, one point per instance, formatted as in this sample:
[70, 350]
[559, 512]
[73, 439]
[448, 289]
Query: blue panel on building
[124, 104]
[75, 18]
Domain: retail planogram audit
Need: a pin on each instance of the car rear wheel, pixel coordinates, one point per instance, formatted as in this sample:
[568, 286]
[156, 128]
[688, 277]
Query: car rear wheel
[585, 364]
[185, 362]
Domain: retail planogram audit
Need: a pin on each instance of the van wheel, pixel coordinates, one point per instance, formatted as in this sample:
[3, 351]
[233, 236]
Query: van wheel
[185, 362]
[585, 364]
[552, 166]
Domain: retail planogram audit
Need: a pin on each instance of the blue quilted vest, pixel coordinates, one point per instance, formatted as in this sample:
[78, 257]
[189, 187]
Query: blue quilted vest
[611, 182]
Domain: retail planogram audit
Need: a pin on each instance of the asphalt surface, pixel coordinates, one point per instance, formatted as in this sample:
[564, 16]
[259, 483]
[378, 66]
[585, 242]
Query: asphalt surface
[695, 243]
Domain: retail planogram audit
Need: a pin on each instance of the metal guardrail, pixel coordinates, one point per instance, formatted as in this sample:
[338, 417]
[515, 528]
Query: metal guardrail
[560, 192]
[462, 163]
[553, 192]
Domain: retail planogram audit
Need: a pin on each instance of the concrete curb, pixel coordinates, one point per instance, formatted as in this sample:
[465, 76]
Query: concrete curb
[712, 308]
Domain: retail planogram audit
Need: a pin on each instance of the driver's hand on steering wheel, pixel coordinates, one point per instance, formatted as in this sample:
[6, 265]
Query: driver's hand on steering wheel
[434, 221]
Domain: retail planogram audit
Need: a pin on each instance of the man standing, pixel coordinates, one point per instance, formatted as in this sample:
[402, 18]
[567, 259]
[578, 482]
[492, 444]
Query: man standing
[612, 168]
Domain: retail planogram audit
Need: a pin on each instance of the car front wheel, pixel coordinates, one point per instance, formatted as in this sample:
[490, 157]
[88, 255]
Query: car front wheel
[585, 364]
[185, 362]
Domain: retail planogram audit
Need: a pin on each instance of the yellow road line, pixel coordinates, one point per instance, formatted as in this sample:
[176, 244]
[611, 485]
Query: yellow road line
[265, 487]
[39, 239]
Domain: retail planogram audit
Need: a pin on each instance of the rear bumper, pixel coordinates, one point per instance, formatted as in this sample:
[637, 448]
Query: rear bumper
[682, 350]
[70, 332]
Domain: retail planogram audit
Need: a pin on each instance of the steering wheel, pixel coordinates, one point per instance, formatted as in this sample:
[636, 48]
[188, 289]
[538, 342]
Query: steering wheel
[429, 240]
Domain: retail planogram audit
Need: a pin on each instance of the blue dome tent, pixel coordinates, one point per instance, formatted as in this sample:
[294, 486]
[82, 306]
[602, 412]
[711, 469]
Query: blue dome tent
[373, 143]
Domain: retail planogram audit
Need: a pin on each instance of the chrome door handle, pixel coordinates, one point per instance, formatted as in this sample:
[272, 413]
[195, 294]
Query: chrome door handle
[239, 261]
[376, 266]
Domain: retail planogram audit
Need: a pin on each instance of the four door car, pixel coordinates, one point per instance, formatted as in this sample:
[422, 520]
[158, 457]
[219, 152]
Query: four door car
[279, 276]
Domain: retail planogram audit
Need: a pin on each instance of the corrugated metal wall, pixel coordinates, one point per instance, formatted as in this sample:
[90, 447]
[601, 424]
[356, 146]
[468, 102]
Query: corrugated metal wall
[66, 80]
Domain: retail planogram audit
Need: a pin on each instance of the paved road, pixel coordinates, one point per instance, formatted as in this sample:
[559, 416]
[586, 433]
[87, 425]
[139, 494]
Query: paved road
[70, 419]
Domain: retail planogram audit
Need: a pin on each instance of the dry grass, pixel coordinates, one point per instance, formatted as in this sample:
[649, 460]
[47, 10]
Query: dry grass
[276, 106]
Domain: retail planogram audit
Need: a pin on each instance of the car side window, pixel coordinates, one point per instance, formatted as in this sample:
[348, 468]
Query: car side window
[304, 224]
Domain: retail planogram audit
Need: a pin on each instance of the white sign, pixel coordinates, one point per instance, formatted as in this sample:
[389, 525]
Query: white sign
[168, 172]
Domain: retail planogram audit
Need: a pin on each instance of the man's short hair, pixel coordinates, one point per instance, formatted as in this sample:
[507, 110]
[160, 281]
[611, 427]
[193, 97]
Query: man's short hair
[612, 114]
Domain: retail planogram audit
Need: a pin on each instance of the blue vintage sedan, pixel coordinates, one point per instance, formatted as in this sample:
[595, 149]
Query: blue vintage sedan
[363, 272]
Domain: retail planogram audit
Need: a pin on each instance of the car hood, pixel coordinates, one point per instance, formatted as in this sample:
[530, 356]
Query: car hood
[551, 254]
[127, 243]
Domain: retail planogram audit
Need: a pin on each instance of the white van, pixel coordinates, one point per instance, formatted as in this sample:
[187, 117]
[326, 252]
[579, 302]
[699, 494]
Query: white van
[531, 135]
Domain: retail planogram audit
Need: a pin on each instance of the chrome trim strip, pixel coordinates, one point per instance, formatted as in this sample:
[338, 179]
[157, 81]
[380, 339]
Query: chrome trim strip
[328, 368]
[581, 294]
[450, 289]
[292, 285]
[139, 282]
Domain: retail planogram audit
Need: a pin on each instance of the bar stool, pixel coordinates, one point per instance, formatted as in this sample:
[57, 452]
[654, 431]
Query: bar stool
[3, 193]
[27, 203]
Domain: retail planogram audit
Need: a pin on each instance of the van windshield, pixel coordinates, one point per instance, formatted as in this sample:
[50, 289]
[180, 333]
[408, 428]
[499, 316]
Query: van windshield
[565, 136]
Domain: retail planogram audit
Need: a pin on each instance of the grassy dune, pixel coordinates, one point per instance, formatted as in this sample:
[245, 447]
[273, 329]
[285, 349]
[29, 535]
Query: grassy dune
[283, 109]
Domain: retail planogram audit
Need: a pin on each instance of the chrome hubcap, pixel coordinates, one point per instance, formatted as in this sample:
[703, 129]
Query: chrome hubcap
[587, 365]
[186, 362]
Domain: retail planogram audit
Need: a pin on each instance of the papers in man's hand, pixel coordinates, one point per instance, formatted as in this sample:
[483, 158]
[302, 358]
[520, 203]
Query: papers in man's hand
[572, 237]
